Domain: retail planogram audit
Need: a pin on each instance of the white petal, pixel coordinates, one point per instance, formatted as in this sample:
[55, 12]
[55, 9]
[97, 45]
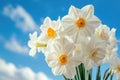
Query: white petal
[51, 59]
[73, 11]
[47, 20]
[114, 61]
[53, 63]
[93, 22]
[71, 30]
[88, 10]
[68, 21]
[46, 24]
[43, 37]
[33, 36]
[69, 48]
[55, 25]
[77, 60]
[58, 70]
[70, 72]
[88, 64]
[57, 47]
[32, 52]
[31, 43]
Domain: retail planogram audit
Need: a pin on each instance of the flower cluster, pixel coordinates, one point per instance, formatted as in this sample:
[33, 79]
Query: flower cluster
[78, 38]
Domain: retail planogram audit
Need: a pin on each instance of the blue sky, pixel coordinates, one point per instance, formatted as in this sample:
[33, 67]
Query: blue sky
[15, 28]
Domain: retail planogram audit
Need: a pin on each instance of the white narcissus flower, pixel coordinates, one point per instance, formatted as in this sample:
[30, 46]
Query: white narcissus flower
[36, 44]
[50, 29]
[80, 22]
[61, 59]
[115, 65]
[95, 52]
[102, 32]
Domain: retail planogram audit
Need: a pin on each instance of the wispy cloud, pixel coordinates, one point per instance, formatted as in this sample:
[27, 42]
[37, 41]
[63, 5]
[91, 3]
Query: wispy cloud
[21, 17]
[15, 46]
[8, 71]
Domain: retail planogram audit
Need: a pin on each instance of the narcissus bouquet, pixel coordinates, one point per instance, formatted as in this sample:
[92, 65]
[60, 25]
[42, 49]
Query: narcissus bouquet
[76, 43]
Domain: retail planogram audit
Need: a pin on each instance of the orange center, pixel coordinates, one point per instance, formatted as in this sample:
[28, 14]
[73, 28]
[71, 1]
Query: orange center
[94, 54]
[62, 59]
[51, 33]
[118, 68]
[81, 23]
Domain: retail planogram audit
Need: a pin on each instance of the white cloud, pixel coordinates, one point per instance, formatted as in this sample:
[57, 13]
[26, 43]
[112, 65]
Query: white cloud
[20, 16]
[15, 46]
[8, 71]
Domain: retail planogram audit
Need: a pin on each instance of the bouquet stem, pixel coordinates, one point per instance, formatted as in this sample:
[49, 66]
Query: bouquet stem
[82, 74]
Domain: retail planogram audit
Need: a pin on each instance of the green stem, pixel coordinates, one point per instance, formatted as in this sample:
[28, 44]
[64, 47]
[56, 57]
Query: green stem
[111, 77]
[76, 77]
[90, 75]
[86, 75]
[82, 71]
[64, 77]
[105, 74]
[98, 76]
[77, 71]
